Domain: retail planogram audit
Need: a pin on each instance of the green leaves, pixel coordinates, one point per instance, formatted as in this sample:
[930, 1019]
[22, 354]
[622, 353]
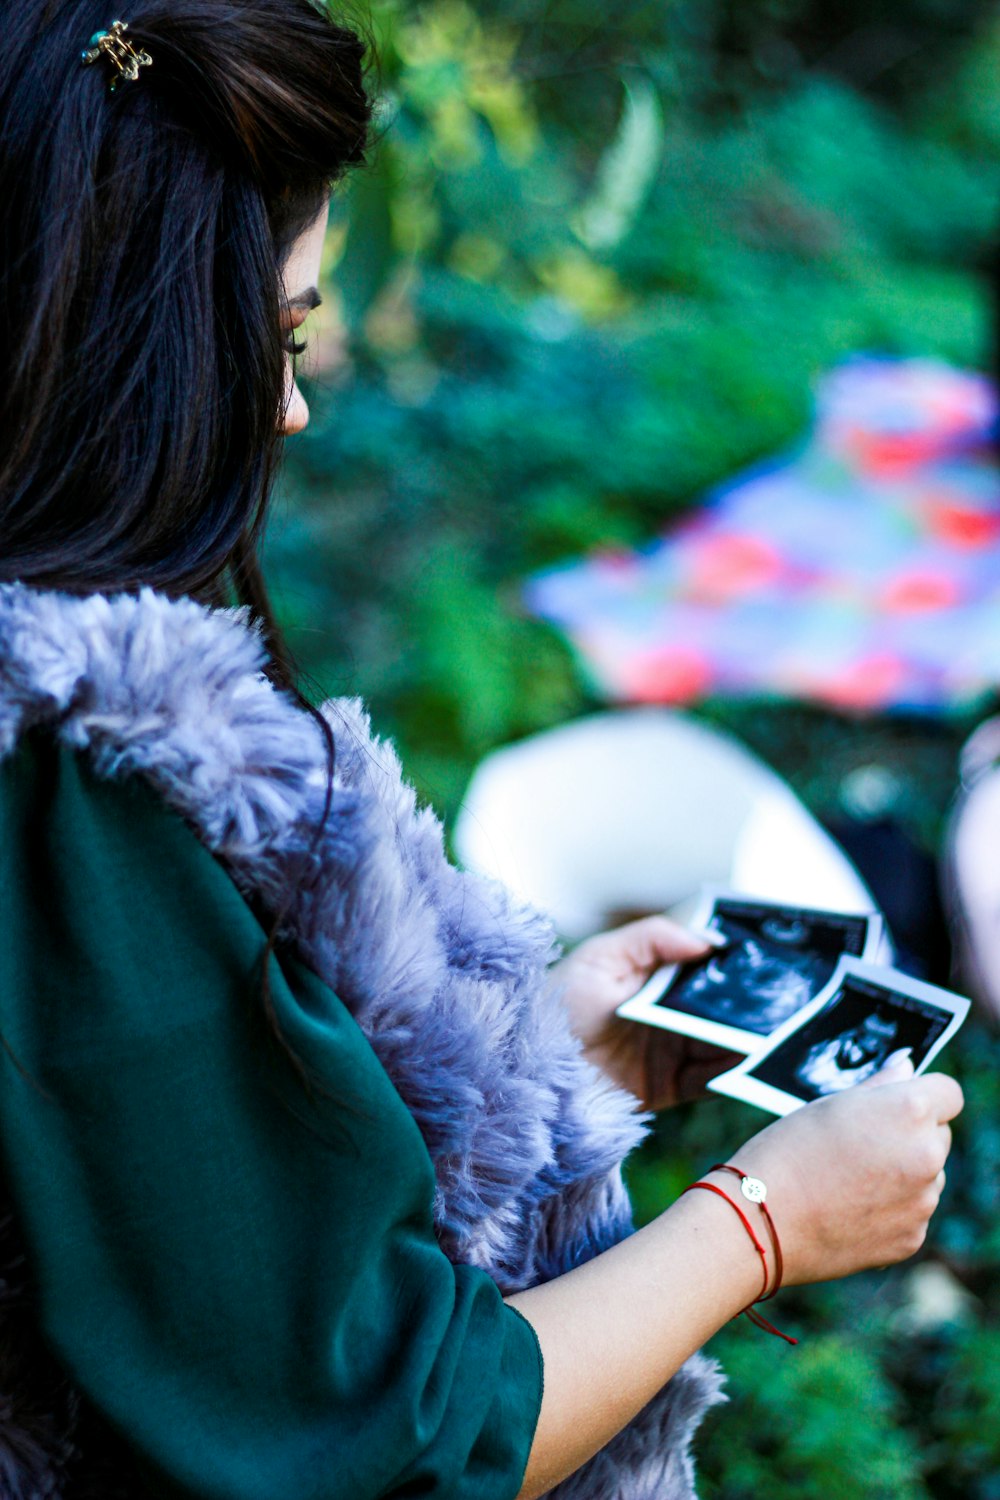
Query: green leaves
[626, 171]
[968, 1409]
[369, 253]
[561, 335]
[817, 1420]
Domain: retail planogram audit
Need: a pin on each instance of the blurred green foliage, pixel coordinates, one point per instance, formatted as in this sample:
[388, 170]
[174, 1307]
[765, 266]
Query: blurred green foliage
[597, 261]
[593, 268]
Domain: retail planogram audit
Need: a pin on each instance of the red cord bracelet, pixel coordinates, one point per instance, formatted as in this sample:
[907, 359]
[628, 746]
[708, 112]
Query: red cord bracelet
[758, 1194]
[757, 1197]
[710, 1187]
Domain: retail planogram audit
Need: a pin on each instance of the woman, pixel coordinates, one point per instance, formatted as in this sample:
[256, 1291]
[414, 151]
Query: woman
[315, 1227]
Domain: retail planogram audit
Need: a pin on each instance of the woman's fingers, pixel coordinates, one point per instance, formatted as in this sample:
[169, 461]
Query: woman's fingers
[946, 1097]
[897, 1069]
[696, 1070]
[933, 1096]
[659, 940]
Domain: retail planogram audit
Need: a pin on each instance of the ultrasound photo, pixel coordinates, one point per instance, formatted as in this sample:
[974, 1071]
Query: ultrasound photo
[771, 959]
[871, 1018]
[857, 1032]
[776, 959]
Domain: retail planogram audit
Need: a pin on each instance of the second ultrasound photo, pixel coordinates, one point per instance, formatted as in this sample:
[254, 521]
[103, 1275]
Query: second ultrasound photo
[772, 960]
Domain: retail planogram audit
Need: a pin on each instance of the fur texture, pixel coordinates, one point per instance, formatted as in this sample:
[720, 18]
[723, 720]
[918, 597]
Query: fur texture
[445, 973]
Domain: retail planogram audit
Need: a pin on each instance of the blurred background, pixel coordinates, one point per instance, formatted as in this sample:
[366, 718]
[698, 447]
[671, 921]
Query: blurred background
[597, 288]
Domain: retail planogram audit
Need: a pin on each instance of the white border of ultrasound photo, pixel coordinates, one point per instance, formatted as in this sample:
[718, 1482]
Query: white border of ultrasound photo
[739, 1083]
[646, 1005]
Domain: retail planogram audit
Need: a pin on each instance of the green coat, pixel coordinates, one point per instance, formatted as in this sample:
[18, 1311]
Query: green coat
[239, 1272]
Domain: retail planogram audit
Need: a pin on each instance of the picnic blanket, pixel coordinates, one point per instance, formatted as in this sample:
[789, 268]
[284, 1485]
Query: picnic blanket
[861, 571]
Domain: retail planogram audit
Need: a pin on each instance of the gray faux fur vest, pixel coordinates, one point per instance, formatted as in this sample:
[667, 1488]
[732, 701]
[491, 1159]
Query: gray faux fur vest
[445, 973]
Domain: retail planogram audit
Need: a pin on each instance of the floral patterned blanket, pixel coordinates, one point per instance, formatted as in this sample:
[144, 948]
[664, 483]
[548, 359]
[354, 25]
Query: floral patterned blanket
[860, 571]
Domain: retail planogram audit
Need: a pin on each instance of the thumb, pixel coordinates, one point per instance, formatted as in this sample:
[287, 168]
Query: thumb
[896, 1069]
[658, 940]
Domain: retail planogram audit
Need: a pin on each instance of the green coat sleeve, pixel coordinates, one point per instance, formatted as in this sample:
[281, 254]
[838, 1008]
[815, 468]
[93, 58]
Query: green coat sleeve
[242, 1276]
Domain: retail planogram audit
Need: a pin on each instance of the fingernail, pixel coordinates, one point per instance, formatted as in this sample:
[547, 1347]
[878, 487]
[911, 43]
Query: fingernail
[708, 935]
[899, 1067]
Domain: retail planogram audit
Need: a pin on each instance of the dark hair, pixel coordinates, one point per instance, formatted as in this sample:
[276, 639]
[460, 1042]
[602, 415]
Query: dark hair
[142, 237]
[141, 362]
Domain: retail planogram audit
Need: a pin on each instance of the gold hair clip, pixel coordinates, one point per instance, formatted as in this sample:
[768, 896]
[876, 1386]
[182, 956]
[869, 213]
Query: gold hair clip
[119, 51]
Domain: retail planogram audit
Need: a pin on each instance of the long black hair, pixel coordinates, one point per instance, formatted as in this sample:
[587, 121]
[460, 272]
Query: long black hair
[142, 237]
[141, 240]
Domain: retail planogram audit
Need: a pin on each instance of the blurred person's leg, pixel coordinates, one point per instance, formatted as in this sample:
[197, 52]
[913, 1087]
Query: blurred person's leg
[903, 878]
[972, 866]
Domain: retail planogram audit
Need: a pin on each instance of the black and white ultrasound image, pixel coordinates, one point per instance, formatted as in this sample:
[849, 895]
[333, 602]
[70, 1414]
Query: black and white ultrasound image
[862, 1028]
[776, 960]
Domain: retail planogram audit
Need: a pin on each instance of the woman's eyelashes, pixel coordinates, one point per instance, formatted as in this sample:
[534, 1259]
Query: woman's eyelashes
[297, 310]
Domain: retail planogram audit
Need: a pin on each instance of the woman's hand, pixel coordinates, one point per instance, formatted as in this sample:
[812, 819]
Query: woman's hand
[853, 1179]
[659, 1067]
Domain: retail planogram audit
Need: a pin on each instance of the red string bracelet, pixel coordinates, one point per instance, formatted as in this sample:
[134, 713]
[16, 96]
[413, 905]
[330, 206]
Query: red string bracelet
[758, 1194]
[751, 1312]
[710, 1187]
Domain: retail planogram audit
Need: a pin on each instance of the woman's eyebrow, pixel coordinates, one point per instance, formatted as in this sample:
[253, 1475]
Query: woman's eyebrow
[306, 301]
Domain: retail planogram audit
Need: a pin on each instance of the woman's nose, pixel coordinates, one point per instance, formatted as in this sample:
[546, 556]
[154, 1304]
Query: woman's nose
[296, 416]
